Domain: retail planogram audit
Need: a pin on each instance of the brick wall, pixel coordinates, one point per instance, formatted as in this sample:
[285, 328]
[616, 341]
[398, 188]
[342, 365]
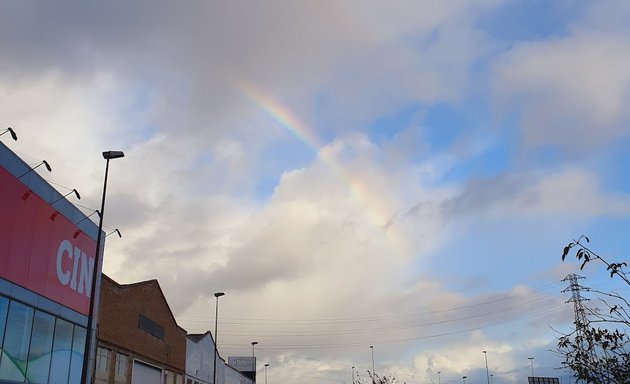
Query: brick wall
[119, 312]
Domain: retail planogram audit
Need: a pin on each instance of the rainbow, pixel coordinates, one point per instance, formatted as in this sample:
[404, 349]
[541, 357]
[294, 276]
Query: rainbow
[376, 209]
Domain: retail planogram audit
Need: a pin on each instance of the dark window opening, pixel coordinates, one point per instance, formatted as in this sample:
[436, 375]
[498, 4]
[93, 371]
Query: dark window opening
[151, 327]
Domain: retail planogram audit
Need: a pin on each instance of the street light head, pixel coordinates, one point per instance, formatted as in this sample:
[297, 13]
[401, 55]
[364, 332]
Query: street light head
[254, 342]
[371, 346]
[76, 193]
[11, 131]
[115, 231]
[113, 155]
[266, 365]
[219, 294]
[44, 162]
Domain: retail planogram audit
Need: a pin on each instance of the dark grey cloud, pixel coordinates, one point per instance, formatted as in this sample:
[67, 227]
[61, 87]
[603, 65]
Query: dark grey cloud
[480, 195]
[195, 55]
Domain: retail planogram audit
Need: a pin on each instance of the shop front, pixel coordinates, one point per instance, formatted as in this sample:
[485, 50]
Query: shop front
[46, 264]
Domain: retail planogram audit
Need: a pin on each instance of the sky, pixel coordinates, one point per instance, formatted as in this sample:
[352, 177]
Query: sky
[400, 174]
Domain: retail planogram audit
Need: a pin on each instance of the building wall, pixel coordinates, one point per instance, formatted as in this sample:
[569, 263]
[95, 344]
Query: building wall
[43, 303]
[200, 351]
[120, 333]
[199, 359]
[232, 376]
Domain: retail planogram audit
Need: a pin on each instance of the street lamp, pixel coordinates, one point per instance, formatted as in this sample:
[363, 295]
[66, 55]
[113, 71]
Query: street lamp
[11, 131]
[216, 349]
[353, 374]
[464, 379]
[254, 357]
[439, 382]
[109, 155]
[485, 353]
[373, 370]
[48, 167]
[76, 193]
[491, 378]
[266, 365]
[115, 230]
[531, 362]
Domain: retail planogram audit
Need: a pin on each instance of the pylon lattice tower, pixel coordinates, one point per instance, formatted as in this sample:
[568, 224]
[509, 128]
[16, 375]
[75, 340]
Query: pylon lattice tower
[576, 299]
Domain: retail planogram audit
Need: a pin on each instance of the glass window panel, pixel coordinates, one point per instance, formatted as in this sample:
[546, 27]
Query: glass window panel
[121, 365]
[170, 377]
[16, 341]
[62, 349]
[102, 357]
[4, 309]
[78, 347]
[41, 347]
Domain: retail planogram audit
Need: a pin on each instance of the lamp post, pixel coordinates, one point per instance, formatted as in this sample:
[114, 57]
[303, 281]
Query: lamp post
[109, 155]
[216, 349]
[253, 343]
[266, 365]
[485, 354]
[254, 357]
[531, 362]
[464, 379]
[491, 378]
[353, 374]
[373, 369]
[439, 382]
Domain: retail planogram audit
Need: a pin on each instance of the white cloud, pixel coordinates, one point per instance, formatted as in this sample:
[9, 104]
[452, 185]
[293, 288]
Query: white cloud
[569, 91]
[345, 234]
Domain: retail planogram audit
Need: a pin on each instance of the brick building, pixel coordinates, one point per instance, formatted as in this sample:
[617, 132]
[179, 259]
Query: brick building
[139, 340]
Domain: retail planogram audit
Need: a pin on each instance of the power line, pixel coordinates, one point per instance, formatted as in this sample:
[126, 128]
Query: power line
[351, 320]
[410, 339]
[298, 333]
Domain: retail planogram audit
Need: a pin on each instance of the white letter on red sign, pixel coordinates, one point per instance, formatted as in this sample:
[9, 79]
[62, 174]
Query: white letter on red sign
[75, 268]
[64, 247]
[85, 278]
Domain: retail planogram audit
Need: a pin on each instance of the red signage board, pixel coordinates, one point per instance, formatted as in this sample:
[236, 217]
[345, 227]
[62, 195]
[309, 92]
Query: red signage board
[41, 250]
